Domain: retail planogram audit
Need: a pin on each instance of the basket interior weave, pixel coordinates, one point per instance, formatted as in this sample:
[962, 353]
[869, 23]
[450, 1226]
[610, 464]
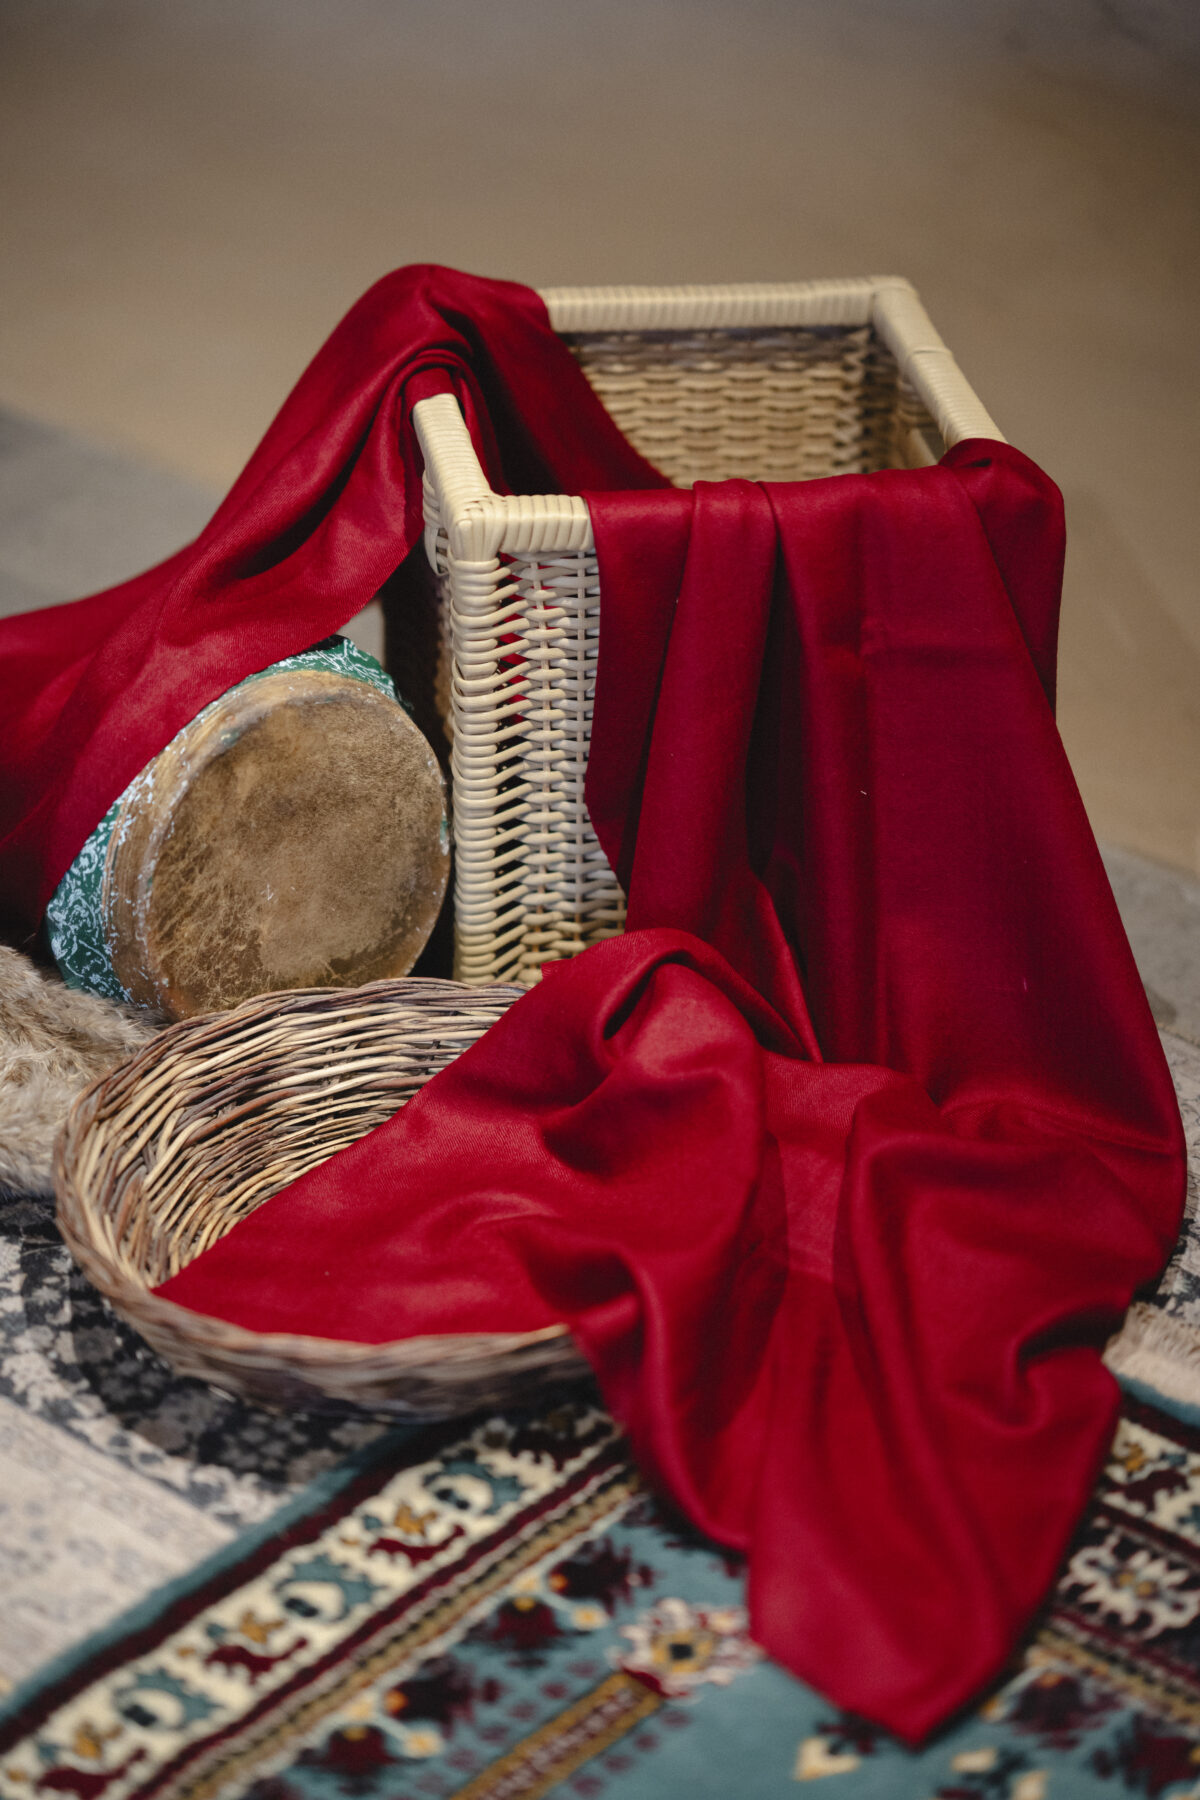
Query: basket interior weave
[164, 1156]
[788, 403]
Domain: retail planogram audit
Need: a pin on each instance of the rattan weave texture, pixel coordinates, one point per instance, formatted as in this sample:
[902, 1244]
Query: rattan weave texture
[772, 382]
[163, 1156]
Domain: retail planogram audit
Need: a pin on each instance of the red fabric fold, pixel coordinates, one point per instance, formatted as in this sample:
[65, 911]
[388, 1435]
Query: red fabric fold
[843, 1160]
[326, 509]
[841, 1163]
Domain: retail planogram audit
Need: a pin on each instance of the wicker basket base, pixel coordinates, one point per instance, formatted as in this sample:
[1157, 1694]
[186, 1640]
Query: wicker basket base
[165, 1155]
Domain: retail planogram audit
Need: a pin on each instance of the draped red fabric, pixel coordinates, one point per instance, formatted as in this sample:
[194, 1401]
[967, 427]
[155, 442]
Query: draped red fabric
[327, 508]
[844, 1159]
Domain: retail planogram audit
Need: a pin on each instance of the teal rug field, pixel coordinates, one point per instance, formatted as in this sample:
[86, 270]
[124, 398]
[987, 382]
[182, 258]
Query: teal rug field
[206, 1600]
[499, 1612]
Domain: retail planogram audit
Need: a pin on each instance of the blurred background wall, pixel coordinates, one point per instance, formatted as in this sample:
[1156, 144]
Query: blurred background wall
[193, 191]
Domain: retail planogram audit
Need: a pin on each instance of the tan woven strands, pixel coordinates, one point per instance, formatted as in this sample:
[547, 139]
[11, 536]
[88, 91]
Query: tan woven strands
[165, 1155]
[779, 405]
[775, 383]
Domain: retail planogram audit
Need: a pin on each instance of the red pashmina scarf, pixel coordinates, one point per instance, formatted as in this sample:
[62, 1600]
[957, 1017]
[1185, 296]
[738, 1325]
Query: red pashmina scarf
[842, 1162]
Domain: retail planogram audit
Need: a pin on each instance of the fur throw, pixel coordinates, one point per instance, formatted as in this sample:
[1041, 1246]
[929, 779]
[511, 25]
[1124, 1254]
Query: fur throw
[54, 1042]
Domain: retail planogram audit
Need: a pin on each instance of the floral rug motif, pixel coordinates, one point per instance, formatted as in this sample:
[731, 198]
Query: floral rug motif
[499, 1612]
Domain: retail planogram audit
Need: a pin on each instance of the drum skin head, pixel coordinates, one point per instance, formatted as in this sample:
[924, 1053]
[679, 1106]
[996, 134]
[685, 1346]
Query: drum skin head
[294, 836]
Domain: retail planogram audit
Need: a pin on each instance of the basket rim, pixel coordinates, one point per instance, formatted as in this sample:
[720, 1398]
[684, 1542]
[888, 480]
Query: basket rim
[698, 306]
[207, 1341]
[481, 524]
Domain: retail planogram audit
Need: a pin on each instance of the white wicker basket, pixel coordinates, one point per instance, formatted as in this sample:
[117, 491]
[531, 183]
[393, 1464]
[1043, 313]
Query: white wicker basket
[774, 382]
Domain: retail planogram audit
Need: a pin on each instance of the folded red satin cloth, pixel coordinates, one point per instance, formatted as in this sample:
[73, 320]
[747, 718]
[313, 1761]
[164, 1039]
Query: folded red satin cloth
[843, 1161]
[326, 509]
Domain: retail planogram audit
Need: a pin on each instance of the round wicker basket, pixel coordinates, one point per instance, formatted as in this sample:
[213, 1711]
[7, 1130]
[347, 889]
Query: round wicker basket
[162, 1157]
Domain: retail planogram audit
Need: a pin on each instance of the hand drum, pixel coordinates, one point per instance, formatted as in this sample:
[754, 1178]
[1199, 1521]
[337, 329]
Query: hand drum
[293, 835]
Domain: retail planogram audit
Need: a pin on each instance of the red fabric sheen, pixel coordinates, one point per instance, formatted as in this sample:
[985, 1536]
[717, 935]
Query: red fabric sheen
[839, 1163]
[326, 509]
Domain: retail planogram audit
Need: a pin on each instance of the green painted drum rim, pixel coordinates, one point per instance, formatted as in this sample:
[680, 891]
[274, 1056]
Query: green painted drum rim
[74, 917]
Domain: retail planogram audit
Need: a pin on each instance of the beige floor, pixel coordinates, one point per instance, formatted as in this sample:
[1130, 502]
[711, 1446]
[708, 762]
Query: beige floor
[193, 190]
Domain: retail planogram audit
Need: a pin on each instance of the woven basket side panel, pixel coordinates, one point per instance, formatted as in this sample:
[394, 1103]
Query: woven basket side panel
[531, 882]
[488, 793]
[779, 405]
[571, 897]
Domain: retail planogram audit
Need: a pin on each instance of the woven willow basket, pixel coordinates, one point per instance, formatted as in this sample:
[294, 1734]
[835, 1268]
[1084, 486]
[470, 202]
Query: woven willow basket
[777, 383]
[163, 1156]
